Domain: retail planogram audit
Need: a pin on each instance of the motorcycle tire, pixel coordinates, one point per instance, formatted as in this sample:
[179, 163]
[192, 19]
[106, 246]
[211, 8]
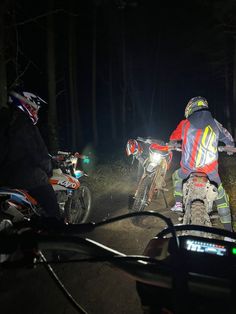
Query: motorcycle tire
[158, 183]
[139, 172]
[140, 201]
[78, 206]
[199, 216]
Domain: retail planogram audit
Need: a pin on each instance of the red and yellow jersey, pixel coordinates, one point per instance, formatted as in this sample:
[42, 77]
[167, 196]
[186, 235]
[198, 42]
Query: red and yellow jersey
[200, 134]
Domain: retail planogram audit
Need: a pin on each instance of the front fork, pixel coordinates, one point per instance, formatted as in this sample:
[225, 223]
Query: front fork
[67, 206]
[158, 182]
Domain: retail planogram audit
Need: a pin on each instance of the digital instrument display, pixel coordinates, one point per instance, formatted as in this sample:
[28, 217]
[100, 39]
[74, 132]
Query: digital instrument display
[205, 247]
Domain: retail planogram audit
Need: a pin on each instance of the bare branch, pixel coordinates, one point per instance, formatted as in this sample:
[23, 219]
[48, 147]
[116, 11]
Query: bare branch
[60, 92]
[35, 18]
[21, 74]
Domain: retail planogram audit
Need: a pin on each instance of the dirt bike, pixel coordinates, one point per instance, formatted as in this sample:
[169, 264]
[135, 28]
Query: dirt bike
[155, 159]
[73, 194]
[71, 188]
[176, 274]
[199, 194]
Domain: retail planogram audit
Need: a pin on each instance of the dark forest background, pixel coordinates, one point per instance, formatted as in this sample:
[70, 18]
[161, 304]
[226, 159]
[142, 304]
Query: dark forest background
[113, 70]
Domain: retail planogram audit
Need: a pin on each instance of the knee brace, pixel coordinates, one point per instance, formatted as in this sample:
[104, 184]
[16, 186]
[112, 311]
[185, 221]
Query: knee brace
[222, 203]
[177, 183]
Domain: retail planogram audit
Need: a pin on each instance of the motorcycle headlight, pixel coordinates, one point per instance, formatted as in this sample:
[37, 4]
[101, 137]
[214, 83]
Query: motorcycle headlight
[155, 158]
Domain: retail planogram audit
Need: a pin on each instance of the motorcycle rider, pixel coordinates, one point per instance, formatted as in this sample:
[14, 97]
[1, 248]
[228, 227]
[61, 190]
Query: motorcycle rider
[200, 134]
[28, 165]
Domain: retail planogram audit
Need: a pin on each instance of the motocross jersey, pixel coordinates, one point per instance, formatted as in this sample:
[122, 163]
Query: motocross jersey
[200, 134]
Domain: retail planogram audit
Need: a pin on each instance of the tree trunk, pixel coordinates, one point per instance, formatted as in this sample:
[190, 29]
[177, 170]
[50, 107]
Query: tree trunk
[112, 104]
[228, 116]
[76, 130]
[134, 99]
[156, 75]
[94, 74]
[52, 112]
[234, 90]
[124, 90]
[71, 82]
[3, 75]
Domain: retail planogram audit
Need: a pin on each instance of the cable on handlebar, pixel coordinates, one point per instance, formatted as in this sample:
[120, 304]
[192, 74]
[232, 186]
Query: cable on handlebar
[61, 286]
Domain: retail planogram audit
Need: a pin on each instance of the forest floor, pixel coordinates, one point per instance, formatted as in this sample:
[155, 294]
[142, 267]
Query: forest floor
[98, 287]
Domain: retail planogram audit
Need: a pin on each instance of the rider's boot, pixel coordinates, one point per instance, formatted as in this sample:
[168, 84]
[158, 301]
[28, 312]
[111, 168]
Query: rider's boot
[228, 226]
[178, 207]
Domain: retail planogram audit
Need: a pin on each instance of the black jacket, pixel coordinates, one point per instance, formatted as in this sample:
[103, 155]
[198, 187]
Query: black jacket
[28, 164]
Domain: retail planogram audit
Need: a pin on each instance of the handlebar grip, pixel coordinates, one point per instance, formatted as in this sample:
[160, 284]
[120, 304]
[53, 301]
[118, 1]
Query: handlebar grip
[176, 146]
[140, 139]
[63, 153]
[226, 148]
[144, 140]
[81, 156]
[78, 155]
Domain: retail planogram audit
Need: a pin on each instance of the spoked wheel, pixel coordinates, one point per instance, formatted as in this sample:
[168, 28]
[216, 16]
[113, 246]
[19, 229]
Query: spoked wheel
[141, 198]
[158, 183]
[78, 207]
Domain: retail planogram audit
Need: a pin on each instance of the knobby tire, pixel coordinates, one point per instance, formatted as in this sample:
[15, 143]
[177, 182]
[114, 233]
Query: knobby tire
[79, 205]
[199, 215]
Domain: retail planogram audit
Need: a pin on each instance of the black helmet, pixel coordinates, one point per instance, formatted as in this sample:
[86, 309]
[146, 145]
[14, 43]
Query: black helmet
[195, 104]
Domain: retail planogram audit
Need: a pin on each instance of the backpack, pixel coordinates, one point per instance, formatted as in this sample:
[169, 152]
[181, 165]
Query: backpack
[5, 120]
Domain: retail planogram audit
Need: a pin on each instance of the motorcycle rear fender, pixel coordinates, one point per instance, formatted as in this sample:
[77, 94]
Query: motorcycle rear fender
[212, 192]
[199, 187]
[18, 198]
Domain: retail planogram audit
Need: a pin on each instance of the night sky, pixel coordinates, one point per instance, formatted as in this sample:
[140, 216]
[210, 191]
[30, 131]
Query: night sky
[173, 51]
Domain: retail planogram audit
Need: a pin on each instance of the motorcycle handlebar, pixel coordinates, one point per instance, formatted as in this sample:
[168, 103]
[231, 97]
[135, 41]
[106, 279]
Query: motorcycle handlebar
[142, 268]
[137, 266]
[226, 148]
[145, 140]
[177, 147]
[81, 156]
[70, 154]
[41, 225]
[64, 153]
